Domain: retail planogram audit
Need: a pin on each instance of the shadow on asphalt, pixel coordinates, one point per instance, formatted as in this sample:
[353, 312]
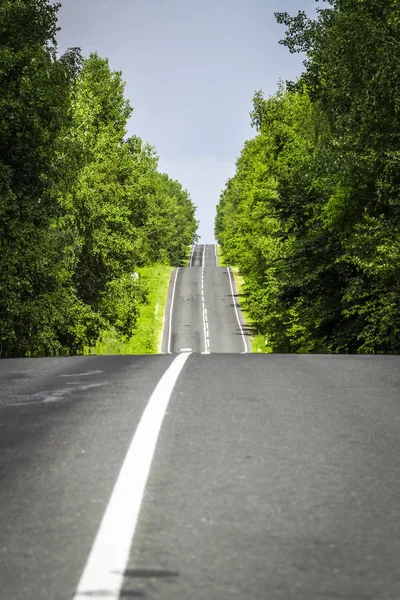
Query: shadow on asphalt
[149, 573]
[145, 574]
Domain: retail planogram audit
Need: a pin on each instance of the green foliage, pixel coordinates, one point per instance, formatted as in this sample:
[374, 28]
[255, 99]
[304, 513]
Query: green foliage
[312, 216]
[34, 260]
[81, 206]
[148, 329]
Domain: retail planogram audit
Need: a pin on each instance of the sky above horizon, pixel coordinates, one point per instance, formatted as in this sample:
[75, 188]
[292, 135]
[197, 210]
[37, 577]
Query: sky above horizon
[191, 69]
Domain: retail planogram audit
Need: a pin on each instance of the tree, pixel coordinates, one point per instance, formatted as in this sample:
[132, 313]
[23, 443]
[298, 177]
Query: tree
[81, 206]
[323, 275]
[34, 109]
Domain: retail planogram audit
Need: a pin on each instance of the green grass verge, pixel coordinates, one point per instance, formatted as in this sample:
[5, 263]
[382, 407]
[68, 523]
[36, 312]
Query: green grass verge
[257, 341]
[147, 339]
[221, 259]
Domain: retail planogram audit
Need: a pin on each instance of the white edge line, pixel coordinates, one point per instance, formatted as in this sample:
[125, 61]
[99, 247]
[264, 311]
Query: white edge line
[105, 567]
[170, 313]
[237, 314]
[206, 351]
[161, 339]
[204, 311]
[191, 258]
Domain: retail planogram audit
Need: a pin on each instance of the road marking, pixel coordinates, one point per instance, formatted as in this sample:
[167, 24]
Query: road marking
[191, 258]
[104, 571]
[170, 313]
[206, 350]
[237, 314]
[82, 374]
[205, 324]
[216, 255]
[204, 254]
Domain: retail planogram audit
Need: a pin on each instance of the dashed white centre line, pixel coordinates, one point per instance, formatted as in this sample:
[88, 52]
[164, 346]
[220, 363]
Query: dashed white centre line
[104, 571]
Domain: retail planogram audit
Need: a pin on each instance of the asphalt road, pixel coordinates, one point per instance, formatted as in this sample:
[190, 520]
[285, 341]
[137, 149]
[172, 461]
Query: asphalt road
[273, 477]
[203, 312]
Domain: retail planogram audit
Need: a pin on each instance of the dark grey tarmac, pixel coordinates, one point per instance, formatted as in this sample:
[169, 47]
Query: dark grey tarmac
[276, 477]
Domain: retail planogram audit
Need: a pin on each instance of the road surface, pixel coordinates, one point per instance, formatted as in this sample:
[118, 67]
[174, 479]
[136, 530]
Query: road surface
[203, 312]
[203, 476]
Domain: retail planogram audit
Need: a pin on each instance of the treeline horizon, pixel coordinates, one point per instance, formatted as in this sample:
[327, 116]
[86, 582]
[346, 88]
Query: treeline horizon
[82, 206]
[312, 216]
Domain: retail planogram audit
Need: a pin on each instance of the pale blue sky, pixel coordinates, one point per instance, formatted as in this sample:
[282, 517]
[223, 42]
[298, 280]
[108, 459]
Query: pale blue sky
[191, 68]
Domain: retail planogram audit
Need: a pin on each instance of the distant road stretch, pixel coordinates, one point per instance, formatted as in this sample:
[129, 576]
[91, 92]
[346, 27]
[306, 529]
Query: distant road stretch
[203, 312]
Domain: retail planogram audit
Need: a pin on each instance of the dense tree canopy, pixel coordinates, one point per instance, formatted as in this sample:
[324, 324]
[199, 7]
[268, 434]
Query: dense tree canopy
[312, 216]
[81, 205]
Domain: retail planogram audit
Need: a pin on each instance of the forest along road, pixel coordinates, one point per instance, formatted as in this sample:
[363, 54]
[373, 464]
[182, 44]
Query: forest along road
[204, 476]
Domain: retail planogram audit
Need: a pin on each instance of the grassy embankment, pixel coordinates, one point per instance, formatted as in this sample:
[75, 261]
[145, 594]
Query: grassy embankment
[258, 340]
[147, 339]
